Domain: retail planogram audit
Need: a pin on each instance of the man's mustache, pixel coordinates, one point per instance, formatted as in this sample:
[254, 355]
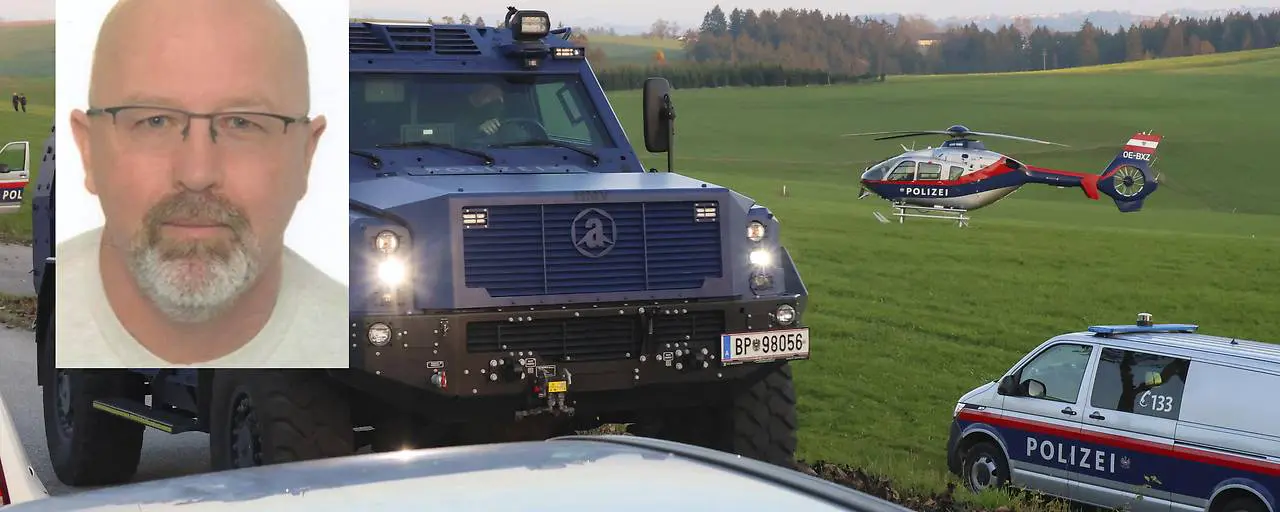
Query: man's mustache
[193, 208]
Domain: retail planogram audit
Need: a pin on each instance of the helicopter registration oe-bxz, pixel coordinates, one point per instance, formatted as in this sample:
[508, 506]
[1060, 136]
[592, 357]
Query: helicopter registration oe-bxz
[15, 174]
[962, 175]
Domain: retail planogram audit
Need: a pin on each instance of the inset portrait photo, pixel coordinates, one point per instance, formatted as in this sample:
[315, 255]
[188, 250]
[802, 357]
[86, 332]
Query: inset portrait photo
[202, 218]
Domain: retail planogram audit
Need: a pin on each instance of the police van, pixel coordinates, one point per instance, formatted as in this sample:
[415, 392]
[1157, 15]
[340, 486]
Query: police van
[1146, 417]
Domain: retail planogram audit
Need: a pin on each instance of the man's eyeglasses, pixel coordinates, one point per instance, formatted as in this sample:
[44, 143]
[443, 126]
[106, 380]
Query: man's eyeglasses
[162, 128]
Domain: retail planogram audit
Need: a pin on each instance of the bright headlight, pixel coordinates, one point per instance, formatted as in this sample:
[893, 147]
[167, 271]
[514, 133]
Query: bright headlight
[391, 272]
[386, 242]
[761, 258]
[755, 231]
[785, 314]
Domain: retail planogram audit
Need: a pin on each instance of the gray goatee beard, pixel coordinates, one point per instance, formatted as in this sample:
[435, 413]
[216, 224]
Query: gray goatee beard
[193, 281]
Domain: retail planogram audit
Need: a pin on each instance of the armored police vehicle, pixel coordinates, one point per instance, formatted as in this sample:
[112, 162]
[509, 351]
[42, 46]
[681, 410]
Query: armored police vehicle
[515, 273]
[1145, 416]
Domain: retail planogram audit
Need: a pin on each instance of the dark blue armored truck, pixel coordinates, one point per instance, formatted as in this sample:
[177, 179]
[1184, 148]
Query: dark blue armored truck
[516, 273]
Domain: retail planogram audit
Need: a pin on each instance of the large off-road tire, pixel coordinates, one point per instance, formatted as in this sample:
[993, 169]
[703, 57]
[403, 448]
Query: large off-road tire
[262, 417]
[756, 420]
[88, 447]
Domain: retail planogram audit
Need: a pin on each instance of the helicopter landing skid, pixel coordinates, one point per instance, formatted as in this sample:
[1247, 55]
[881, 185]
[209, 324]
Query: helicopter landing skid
[902, 211]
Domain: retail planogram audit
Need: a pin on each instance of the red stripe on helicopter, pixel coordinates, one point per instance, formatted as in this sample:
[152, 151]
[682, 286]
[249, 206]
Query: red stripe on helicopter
[1077, 433]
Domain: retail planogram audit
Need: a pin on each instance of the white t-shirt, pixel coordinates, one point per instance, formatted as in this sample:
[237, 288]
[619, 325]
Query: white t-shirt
[307, 328]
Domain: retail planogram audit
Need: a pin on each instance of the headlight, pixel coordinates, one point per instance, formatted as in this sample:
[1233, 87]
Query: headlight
[379, 334]
[761, 258]
[386, 242]
[391, 272]
[959, 405]
[785, 314]
[755, 231]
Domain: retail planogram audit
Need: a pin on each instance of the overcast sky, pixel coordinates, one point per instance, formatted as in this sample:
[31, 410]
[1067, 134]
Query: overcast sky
[689, 12]
[27, 9]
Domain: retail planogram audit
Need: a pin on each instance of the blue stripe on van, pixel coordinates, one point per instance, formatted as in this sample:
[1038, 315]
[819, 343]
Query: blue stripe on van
[1180, 469]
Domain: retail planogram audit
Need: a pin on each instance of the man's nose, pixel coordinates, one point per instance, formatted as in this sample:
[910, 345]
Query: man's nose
[198, 162]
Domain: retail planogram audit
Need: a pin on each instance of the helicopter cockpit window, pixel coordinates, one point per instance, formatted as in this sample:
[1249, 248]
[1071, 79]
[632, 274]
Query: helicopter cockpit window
[956, 171]
[905, 171]
[929, 171]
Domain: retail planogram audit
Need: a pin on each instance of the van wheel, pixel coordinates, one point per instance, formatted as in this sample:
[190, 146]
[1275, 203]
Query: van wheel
[984, 467]
[1242, 504]
[88, 447]
[263, 417]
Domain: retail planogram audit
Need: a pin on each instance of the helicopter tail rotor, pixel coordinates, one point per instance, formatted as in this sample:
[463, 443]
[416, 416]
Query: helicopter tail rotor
[1129, 178]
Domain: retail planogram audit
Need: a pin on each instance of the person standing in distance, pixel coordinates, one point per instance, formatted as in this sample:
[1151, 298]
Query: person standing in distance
[198, 144]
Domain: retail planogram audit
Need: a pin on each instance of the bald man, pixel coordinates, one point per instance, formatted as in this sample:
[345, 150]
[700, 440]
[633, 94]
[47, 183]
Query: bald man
[198, 144]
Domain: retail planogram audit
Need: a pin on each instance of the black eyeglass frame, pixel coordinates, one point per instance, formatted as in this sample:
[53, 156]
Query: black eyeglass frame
[95, 111]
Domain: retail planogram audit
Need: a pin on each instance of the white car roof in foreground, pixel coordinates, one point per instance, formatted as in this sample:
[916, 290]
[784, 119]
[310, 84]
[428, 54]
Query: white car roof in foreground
[614, 473]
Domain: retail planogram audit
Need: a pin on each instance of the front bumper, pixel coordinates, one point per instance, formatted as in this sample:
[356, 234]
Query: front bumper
[953, 456]
[590, 348]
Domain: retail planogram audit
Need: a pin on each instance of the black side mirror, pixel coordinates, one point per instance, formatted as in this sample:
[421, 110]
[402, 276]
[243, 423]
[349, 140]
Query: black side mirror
[658, 115]
[4, 168]
[1008, 386]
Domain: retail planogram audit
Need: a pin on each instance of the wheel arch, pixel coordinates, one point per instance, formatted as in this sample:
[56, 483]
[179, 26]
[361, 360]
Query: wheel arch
[1240, 487]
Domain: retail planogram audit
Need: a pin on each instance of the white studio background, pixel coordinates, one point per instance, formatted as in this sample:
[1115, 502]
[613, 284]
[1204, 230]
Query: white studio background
[320, 215]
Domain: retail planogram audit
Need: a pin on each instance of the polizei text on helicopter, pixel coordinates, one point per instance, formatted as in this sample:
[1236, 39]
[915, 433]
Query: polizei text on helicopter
[927, 192]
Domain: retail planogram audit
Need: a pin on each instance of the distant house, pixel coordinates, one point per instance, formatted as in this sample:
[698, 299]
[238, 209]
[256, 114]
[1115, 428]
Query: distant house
[927, 41]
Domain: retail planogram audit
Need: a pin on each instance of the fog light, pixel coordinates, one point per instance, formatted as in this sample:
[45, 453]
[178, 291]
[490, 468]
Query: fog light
[391, 272]
[785, 314]
[761, 282]
[379, 334]
[761, 258]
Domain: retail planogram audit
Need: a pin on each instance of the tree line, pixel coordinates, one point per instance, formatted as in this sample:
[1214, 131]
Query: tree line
[809, 39]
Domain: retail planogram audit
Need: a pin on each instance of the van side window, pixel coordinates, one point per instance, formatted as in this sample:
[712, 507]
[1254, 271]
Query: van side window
[1139, 383]
[1060, 368]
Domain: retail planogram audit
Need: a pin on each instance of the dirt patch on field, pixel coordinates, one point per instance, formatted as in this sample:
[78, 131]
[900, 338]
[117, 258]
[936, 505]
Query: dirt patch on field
[17, 312]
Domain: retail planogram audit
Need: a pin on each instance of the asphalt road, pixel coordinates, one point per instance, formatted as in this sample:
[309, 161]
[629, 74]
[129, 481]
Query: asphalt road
[163, 455]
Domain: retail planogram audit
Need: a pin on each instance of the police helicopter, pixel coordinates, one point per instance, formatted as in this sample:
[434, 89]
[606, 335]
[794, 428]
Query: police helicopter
[962, 175]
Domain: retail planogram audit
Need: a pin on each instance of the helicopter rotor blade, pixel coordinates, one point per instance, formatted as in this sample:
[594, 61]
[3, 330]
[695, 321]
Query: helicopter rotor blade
[1014, 137]
[900, 133]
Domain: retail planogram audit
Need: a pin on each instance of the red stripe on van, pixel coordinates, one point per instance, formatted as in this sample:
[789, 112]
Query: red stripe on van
[1179, 452]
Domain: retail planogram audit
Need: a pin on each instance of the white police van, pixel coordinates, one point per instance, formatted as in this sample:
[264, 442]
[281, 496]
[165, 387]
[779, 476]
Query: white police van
[1185, 421]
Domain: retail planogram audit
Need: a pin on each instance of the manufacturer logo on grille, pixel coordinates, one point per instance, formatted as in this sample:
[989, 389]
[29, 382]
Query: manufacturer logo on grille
[593, 232]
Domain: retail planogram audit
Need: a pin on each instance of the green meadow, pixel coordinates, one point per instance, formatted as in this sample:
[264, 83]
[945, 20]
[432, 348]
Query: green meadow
[635, 49]
[26, 66]
[907, 317]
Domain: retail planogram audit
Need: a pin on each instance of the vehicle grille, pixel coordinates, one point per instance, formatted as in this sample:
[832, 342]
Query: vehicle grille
[529, 249]
[595, 339]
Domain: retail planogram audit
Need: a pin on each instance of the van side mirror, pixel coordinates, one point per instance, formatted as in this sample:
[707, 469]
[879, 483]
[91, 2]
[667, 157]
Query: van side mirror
[658, 115]
[4, 168]
[1008, 386]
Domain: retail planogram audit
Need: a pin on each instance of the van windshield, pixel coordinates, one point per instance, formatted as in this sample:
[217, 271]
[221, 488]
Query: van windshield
[473, 111]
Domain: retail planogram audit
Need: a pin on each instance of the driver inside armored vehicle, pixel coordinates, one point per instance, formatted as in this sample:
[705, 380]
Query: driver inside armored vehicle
[473, 111]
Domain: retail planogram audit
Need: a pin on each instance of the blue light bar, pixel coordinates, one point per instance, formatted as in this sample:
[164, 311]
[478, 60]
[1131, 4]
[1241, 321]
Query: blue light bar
[1128, 329]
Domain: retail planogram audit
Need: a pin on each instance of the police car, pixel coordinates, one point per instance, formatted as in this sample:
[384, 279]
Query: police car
[1145, 416]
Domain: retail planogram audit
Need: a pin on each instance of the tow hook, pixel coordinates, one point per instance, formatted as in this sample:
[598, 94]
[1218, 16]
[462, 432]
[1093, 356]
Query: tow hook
[549, 388]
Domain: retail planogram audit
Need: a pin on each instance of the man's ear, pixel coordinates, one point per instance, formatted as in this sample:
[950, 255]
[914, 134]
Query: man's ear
[317, 126]
[80, 130]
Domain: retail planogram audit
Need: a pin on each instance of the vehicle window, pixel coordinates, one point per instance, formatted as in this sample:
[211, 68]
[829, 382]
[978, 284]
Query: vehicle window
[929, 171]
[453, 109]
[906, 171]
[1140, 383]
[1061, 369]
[956, 171]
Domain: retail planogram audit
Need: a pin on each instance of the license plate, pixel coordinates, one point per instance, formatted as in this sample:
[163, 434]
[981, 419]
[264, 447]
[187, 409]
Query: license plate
[764, 346]
[557, 386]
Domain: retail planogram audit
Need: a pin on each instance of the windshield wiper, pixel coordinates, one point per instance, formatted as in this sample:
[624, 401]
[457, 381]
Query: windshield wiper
[373, 159]
[488, 160]
[595, 159]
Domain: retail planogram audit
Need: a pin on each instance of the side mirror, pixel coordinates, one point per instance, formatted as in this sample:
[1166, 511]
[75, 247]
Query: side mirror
[658, 115]
[1008, 386]
[1035, 388]
[4, 168]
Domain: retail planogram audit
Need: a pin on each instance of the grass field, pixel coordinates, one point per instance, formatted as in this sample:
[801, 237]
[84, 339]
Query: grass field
[636, 49]
[26, 66]
[906, 318]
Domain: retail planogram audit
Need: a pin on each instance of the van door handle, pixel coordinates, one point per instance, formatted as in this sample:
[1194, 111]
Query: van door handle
[1068, 410]
[1097, 416]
